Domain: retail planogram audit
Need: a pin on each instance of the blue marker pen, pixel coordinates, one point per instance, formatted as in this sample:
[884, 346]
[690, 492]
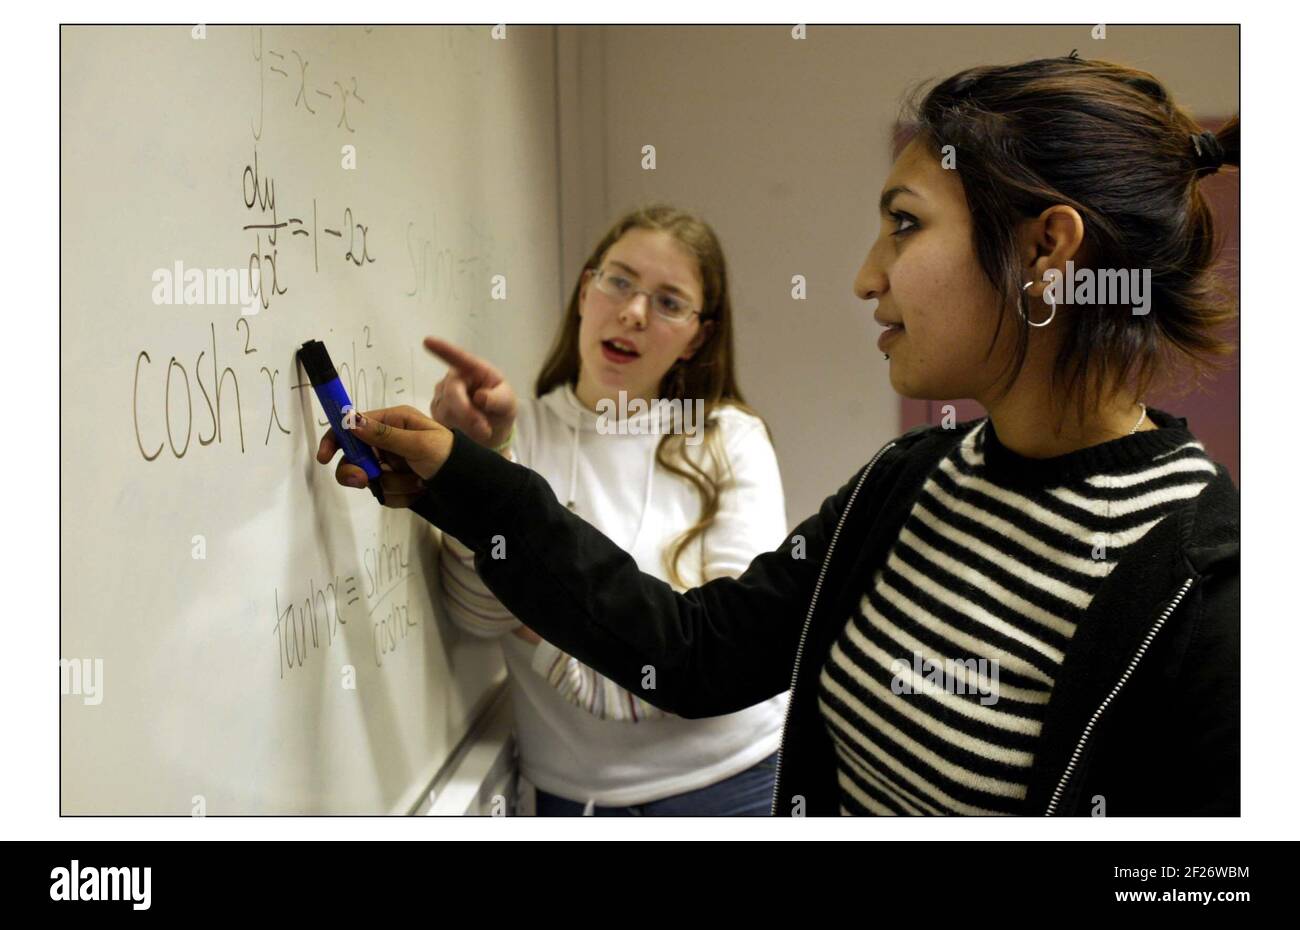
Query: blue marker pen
[334, 399]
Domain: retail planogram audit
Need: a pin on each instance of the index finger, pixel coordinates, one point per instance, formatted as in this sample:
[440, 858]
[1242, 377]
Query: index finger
[458, 358]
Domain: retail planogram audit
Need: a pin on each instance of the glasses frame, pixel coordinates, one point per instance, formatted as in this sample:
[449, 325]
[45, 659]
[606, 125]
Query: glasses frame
[599, 274]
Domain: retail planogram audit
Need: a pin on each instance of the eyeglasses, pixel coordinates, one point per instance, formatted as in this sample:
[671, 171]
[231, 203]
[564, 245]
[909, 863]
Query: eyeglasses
[620, 290]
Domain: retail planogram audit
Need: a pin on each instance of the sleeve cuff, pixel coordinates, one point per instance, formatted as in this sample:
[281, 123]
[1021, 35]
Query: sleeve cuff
[470, 497]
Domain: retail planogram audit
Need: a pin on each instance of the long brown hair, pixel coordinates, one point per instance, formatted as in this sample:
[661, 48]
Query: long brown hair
[1110, 142]
[708, 375]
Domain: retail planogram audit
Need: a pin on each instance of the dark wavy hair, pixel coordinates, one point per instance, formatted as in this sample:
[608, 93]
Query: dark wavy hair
[1110, 142]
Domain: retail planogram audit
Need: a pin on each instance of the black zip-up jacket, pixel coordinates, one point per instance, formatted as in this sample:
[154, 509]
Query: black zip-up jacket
[1144, 718]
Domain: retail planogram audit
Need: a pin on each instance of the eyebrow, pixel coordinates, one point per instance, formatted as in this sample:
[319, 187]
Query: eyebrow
[636, 274]
[887, 198]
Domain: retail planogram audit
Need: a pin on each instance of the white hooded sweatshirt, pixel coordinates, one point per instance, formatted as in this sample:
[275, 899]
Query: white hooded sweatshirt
[581, 736]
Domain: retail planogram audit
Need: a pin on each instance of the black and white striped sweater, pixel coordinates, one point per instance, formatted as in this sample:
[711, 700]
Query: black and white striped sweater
[935, 691]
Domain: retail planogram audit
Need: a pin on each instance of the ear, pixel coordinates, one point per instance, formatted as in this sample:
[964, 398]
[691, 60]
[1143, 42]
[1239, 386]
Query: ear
[706, 328]
[1055, 237]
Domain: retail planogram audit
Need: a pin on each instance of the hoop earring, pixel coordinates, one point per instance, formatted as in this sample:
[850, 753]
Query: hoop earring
[1024, 312]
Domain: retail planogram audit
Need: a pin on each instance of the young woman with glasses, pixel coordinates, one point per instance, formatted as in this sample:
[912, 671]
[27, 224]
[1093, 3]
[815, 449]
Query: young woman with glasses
[689, 486]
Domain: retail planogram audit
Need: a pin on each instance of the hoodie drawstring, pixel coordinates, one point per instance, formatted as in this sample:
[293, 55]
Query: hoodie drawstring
[573, 469]
[571, 503]
[645, 504]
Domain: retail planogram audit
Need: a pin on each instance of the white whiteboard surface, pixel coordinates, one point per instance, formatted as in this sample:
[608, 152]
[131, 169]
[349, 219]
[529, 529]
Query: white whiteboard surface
[205, 702]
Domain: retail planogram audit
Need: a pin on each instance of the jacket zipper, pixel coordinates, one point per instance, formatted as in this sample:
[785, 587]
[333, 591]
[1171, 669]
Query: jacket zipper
[803, 634]
[1114, 692]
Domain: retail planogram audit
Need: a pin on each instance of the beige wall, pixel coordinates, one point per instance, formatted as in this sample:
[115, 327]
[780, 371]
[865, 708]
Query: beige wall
[783, 145]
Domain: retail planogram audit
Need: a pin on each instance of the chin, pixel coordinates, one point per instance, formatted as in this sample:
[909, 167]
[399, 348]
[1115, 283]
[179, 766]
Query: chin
[914, 390]
[611, 378]
[900, 384]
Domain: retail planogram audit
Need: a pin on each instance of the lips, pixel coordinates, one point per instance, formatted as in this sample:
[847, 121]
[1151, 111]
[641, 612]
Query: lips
[620, 351]
[891, 334]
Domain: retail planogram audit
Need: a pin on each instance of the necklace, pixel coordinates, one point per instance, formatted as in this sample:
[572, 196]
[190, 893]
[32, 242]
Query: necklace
[1140, 419]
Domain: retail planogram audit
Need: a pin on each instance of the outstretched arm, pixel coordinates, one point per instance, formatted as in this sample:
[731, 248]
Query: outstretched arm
[715, 649]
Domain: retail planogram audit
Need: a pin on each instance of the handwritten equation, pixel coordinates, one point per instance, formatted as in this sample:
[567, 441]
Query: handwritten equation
[215, 407]
[291, 70]
[311, 623]
[263, 266]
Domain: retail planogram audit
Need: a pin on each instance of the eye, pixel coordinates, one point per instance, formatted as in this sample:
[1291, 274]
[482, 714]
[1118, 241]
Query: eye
[670, 304]
[900, 218]
[620, 282]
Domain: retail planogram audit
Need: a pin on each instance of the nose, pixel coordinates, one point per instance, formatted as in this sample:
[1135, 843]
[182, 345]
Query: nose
[634, 311]
[871, 281]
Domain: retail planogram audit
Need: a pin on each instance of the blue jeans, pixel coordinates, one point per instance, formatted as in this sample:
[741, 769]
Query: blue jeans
[745, 794]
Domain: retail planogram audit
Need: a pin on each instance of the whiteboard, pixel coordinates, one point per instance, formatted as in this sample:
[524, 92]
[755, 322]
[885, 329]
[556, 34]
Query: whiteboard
[227, 588]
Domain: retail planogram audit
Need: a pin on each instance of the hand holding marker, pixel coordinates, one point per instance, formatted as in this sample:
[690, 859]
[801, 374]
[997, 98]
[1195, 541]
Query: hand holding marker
[339, 411]
[411, 449]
